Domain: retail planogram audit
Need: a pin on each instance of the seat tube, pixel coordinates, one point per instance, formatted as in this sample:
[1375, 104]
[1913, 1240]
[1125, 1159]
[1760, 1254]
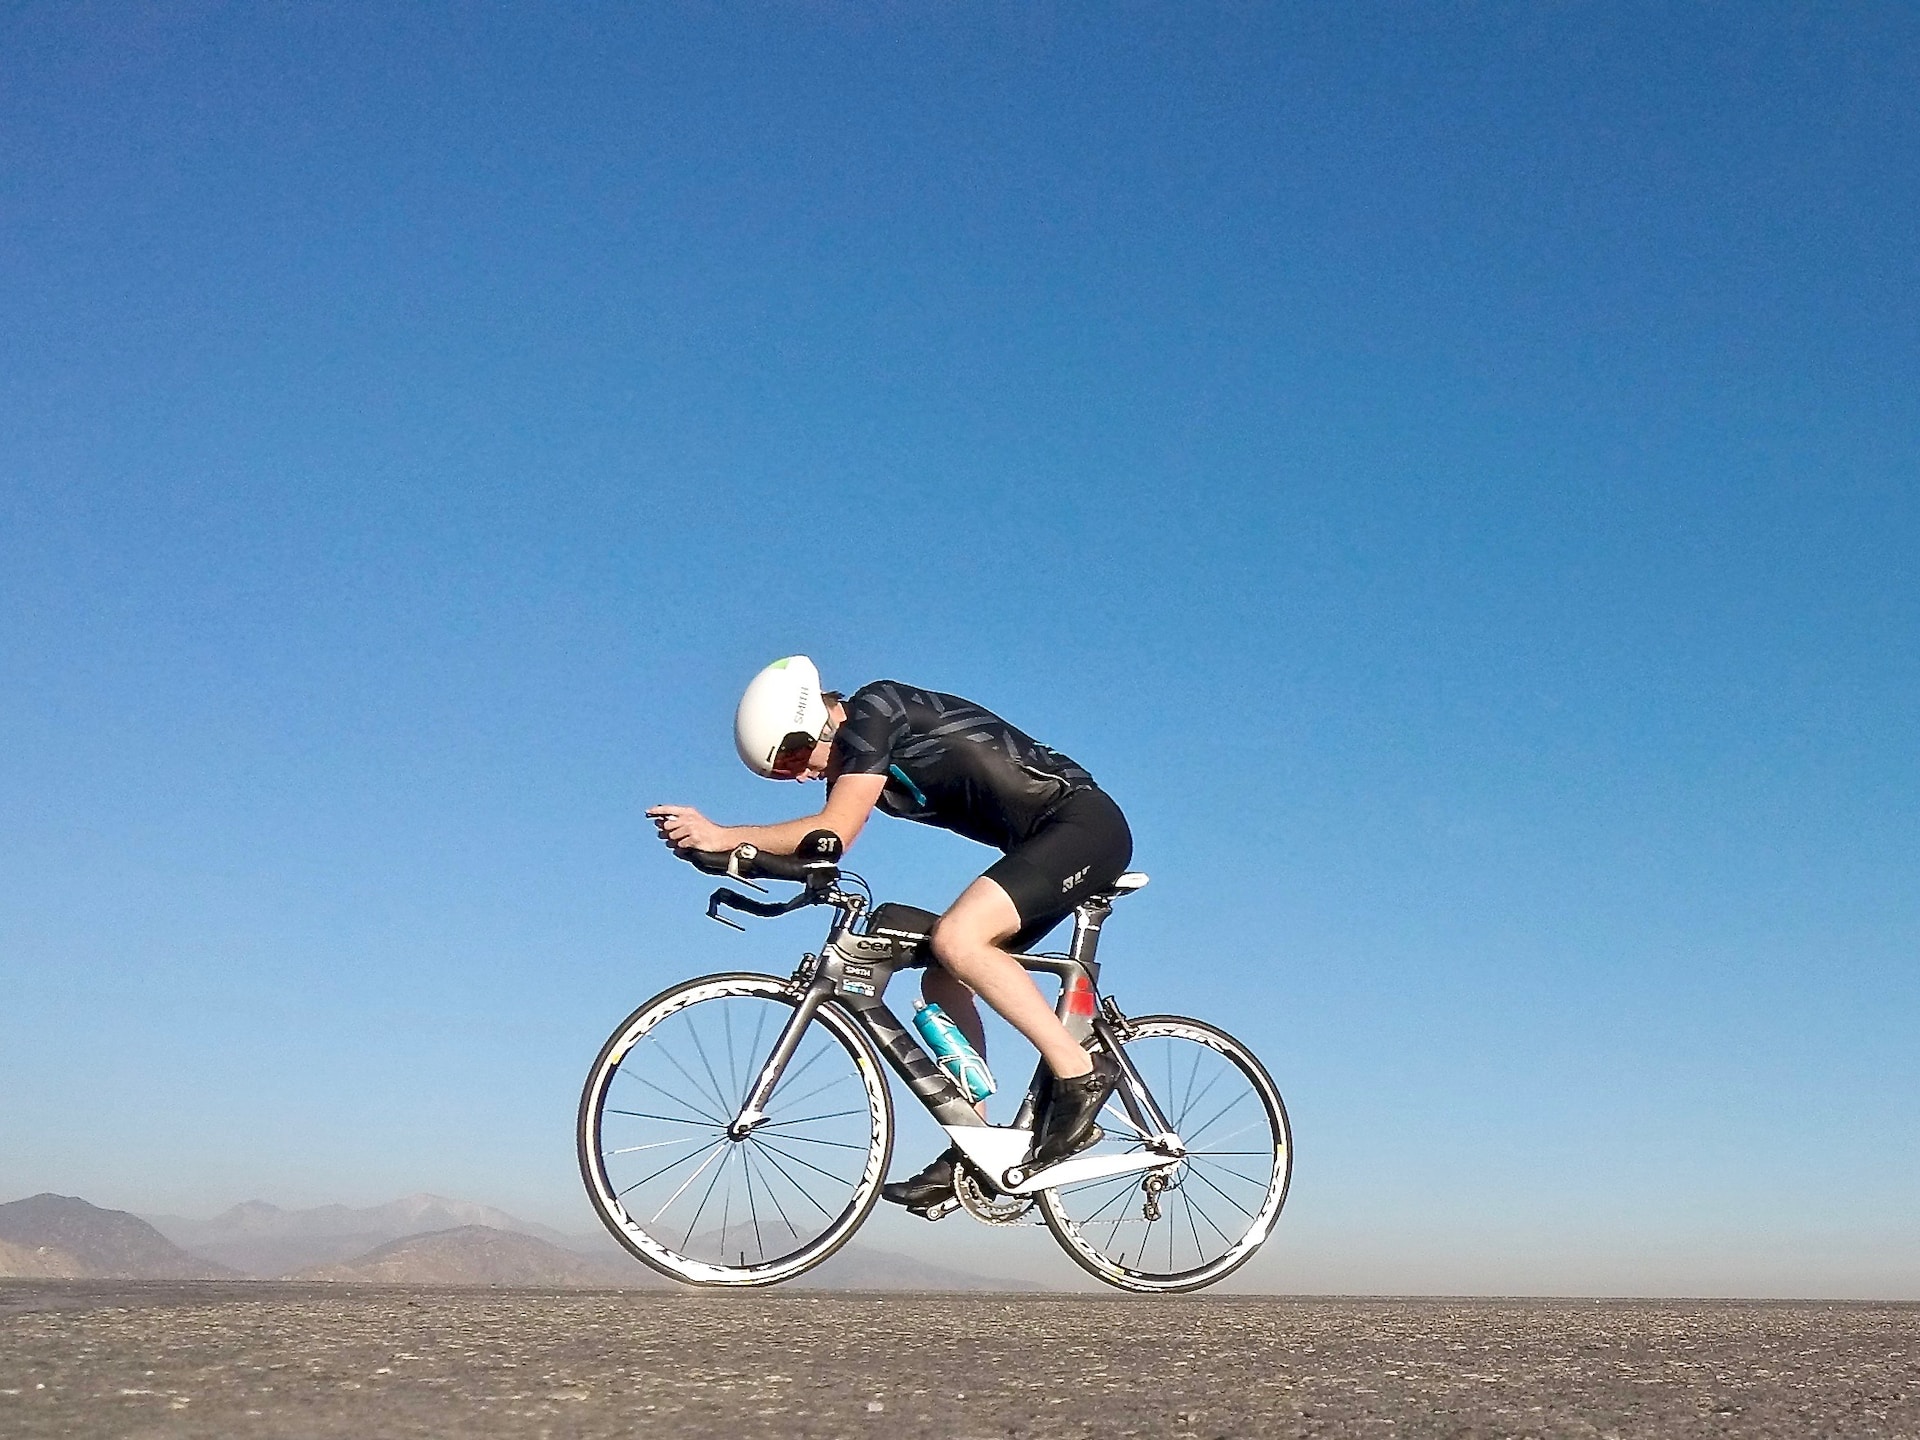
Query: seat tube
[1078, 1005]
[1087, 920]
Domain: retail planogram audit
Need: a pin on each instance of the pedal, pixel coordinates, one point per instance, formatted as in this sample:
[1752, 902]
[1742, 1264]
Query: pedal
[938, 1211]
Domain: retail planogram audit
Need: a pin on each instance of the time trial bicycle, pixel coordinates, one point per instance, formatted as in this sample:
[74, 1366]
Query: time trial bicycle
[735, 1129]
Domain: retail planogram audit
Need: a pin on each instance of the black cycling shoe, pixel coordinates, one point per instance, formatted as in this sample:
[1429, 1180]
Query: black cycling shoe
[1066, 1120]
[932, 1186]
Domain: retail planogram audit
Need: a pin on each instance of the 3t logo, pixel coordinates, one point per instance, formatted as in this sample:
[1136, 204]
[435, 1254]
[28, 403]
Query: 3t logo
[1074, 879]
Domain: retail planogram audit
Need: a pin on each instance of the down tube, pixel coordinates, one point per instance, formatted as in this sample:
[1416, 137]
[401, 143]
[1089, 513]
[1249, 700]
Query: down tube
[926, 1080]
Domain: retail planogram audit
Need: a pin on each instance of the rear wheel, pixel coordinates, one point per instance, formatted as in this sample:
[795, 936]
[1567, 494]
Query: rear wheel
[1197, 1219]
[677, 1190]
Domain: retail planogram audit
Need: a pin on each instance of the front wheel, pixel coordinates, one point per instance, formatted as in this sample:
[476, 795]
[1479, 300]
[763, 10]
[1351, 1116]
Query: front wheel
[1197, 1219]
[677, 1190]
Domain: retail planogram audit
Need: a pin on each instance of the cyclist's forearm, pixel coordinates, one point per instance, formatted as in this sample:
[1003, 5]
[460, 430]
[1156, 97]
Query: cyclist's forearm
[781, 839]
[849, 803]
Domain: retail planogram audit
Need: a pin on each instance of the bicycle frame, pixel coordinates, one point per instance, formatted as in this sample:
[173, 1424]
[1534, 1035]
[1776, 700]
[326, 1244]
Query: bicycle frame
[853, 970]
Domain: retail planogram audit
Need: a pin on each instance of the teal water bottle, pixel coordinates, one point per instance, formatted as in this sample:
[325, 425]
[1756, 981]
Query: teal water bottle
[950, 1048]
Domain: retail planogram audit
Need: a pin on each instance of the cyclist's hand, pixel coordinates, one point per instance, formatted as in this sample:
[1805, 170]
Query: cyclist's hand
[685, 828]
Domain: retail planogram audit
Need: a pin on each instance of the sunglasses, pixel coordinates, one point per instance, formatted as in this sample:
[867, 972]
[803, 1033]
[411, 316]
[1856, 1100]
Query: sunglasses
[793, 755]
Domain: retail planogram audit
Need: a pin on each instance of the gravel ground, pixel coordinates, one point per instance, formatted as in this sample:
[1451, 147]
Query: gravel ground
[103, 1359]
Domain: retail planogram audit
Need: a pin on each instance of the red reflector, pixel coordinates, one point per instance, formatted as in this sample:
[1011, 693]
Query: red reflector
[1080, 997]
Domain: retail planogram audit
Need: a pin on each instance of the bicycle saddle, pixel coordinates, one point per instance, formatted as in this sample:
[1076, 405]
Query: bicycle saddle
[1128, 883]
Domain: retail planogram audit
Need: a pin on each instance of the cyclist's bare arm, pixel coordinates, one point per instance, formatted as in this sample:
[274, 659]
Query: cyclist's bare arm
[849, 803]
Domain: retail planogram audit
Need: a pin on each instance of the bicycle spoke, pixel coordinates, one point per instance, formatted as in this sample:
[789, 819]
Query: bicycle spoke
[802, 1160]
[772, 1198]
[673, 1164]
[713, 1095]
[1186, 1100]
[766, 1154]
[701, 1050]
[1186, 1200]
[817, 1090]
[1221, 1193]
[753, 1210]
[666, 1119]
[701, 1207]
[1121, 1117]
[820, 1050]
[1188, 1108]
[814, 1140]
[753, 1045]
[1193, 1209]
[654, 1145]
[693, 1177]
[1202, 1129]
[1257, 1182]
[1117, 1196]
[733, 1066]
[680, 1100]
[813, 1119]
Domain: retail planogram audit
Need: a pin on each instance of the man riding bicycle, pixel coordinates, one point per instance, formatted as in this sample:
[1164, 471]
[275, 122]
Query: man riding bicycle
[940, 760]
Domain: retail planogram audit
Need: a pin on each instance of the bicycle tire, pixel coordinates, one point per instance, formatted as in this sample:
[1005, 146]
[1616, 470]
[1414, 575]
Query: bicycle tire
[635, 1233]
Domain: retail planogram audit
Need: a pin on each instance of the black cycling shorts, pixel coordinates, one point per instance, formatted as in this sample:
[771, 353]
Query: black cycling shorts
[1081, 848]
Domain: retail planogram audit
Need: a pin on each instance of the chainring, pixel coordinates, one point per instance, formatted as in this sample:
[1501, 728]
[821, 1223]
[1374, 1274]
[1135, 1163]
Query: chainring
[988, 1209]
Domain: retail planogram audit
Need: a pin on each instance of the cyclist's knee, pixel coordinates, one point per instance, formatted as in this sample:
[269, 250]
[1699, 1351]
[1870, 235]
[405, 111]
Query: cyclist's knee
[982, 919]
[955, 941]
[949, 942]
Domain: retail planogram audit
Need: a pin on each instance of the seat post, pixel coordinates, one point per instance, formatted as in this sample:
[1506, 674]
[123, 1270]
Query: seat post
[1088, 917]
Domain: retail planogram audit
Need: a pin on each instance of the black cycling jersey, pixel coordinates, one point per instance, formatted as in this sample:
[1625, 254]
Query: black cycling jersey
[952, 763]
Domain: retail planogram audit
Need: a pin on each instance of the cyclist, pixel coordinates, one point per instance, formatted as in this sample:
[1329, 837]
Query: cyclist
[940, 760]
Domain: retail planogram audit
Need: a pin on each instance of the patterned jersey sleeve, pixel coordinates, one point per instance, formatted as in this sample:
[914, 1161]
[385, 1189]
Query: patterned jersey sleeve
[876, 722]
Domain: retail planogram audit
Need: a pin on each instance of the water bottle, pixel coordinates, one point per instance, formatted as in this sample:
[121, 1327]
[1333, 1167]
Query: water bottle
[950, 1049]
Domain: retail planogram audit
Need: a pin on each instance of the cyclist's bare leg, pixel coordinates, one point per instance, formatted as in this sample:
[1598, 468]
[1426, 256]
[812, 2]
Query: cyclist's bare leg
[967, 942]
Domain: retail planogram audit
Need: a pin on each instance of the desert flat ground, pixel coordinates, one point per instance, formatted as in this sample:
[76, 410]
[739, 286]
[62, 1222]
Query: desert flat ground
[111, 1359]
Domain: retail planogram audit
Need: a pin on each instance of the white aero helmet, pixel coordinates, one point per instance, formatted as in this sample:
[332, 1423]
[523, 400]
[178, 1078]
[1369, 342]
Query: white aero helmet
[780, 719]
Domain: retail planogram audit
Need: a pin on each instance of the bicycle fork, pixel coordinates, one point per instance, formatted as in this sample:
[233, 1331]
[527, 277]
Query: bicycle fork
[753, 1111]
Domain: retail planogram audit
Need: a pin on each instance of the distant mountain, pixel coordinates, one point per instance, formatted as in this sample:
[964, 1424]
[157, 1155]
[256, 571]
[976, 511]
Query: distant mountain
[483, 1255]
[266, 1241]
[103, 1244]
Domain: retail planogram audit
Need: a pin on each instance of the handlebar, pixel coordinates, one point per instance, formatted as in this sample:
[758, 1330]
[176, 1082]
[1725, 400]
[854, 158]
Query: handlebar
[749, 862]
[813, 864]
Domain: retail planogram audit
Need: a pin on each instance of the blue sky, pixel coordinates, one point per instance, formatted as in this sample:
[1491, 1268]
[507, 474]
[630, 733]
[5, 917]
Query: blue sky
[1450, 471]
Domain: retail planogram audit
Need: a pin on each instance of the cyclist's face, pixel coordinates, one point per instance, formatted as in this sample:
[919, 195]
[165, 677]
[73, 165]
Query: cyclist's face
[816, 762]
